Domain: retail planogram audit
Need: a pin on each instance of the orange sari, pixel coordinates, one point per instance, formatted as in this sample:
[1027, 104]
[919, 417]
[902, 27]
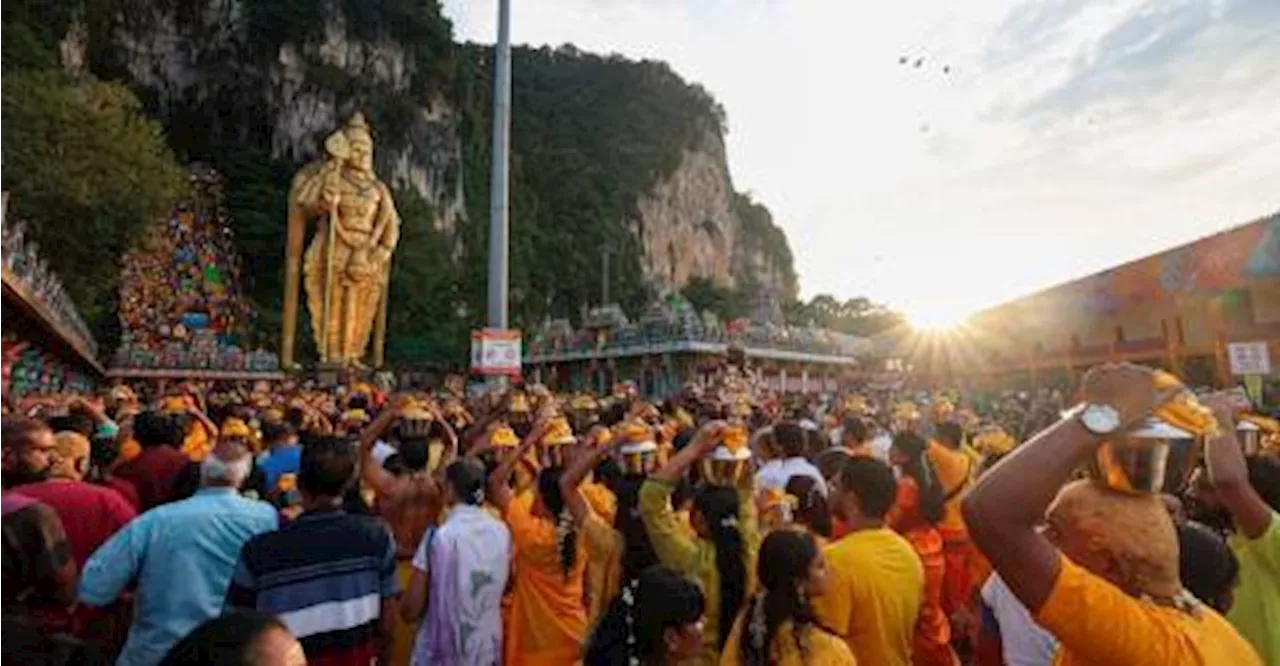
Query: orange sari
[931, 644]
[548, 618]
[955, 474]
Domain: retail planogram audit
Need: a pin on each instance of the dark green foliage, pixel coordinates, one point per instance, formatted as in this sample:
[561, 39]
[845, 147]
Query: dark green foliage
[726, 303]
[589, 135]
[88, 171]
[25, 48]
[856, 316]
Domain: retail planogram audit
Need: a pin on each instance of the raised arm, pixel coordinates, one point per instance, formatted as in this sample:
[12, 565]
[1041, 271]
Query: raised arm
[499, 488]
[1002, 511]
[1229, 475]
[371, 472]
[586, 460]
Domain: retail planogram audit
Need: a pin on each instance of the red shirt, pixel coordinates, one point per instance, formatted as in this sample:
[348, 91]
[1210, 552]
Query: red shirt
[153, 473]
[125, 488]
[90, 514]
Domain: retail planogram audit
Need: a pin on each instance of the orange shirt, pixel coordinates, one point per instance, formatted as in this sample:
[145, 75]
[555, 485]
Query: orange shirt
[1097, 623]
[548, 620]
[875, 593]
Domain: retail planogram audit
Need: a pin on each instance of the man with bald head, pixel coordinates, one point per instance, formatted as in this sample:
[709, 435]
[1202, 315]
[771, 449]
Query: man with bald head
[181, 555]
[1102, 576]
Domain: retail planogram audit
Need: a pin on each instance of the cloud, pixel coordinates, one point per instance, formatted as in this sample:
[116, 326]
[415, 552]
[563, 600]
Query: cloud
[1064, 135]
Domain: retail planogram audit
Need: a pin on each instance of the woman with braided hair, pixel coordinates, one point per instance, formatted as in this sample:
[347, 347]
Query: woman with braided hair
[779, 627]
[915, 514]
[657, 620]
[548, 618]
[723, 552]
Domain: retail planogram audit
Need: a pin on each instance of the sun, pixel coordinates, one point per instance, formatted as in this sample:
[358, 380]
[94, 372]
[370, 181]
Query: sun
[937, 318]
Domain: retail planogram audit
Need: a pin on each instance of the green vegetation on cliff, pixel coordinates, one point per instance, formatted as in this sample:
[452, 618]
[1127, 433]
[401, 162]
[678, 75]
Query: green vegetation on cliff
[85, 168]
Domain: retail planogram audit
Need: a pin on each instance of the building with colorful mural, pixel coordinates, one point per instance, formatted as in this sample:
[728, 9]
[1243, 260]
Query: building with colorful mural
[1179, 310]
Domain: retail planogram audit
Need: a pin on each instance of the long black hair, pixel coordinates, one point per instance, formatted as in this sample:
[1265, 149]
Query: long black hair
[718, 507]
[783, 566]
[226, 640]
[918, 467]
[811, 509]
[632, 627]
[637, 553]
[566, 534]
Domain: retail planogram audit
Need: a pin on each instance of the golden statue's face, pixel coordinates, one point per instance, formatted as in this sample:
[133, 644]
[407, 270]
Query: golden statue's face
[361, 151]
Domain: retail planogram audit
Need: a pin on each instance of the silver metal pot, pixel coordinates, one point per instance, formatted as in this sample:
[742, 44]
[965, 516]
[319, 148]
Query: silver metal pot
[1146, 459]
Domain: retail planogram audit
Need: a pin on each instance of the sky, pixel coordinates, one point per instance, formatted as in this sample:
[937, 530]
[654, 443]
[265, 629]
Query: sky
[941, 157]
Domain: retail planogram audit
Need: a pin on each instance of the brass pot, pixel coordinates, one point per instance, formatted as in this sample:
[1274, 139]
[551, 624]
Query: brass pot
[1155, 457]
[723, 470]
[638, 458]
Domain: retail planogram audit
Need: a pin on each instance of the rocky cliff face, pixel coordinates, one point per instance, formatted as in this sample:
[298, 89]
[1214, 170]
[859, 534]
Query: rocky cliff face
[687, 224]
[693, 224]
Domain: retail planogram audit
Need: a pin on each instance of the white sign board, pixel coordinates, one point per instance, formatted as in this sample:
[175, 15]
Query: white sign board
[495, 352]
[1249, 358]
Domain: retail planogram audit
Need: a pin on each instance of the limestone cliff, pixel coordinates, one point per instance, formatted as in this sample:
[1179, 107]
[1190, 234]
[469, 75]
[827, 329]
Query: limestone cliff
[694, 225]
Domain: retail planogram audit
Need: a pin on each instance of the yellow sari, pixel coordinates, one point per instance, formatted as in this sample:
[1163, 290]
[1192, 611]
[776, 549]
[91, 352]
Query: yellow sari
[816, 647]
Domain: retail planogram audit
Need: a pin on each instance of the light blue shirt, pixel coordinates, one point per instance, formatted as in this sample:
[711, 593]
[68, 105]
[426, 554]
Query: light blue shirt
[182, 556]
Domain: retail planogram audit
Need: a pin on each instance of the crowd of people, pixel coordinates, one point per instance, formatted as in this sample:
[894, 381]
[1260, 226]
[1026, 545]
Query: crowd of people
[23, 260]
[289, 523]
[180, 299]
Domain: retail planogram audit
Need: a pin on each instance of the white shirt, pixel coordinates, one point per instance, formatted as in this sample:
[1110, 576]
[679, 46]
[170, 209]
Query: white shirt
[1024, 642]
[467, 560]
[776, 473]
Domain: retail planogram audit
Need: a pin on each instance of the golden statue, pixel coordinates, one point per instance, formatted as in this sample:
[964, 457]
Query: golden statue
[348, 264]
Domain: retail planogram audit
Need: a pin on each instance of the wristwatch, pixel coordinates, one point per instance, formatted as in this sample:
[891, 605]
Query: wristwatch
[1100, 420]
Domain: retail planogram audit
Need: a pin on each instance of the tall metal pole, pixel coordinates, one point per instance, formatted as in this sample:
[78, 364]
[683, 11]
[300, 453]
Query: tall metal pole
[498, 196]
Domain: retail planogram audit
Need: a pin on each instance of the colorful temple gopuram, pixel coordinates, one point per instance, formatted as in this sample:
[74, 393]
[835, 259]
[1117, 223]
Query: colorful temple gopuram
[183, 311]
[1179, 309]
[672, 343]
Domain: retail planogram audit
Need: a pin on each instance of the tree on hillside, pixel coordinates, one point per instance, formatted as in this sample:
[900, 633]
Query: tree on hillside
[705, 295]
[855, 316]
[87, 171]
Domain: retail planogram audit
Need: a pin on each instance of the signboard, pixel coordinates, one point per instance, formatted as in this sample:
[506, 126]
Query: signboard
[1249, 358]
[495, 351]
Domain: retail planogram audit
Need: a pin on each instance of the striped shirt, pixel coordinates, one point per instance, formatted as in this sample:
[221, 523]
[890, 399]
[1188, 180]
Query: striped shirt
[325, 576]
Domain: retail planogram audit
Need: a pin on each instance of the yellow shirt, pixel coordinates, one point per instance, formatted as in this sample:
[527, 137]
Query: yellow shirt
[1256, 612]
[954, 473]
[1096, 623]
[603, 546]
[820, 648]
[696, 558]
[876, 589]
